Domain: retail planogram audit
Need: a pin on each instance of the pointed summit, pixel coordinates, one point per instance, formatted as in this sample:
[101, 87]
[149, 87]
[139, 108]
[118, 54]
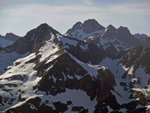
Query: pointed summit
[84, 30]
[109, 31]
[111, 27]
[44, 27]
[41, 29]
[34, 39]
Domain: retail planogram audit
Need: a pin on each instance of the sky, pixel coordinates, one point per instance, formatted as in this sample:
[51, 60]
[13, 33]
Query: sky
[20, 16]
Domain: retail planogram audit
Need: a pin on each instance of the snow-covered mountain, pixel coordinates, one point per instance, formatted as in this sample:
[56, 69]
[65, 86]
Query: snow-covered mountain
[8, 39]
[103, 72]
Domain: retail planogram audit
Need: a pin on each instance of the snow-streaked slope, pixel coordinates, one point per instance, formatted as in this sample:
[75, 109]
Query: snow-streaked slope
[7, 59]
[108, 42]
[123, 88]
[118, 71]
[48, 49]
[22, 77]
[21, 74]
[78, 98]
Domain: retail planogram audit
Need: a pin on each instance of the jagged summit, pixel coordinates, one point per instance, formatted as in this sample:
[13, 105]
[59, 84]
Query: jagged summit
[121, 32]
[34, 39]
[84, 30]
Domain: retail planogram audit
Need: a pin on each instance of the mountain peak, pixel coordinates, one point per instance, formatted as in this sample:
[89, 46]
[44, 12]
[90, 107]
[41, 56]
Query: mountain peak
[8, 39]
[41, 30]
[91, 25]
[86, 29]
[9, 34]
[110, 31]
[43, 26]
[34, 39]
[111, 27]
[124, 30]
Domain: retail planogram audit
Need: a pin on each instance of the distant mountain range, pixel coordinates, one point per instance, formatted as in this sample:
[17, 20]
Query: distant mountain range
[89, 69]
[8, 39]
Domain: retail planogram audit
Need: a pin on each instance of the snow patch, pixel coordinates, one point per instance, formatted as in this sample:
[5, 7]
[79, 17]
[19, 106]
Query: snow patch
[48, 49]
[78, 98]
[122, 96]
[107, 42]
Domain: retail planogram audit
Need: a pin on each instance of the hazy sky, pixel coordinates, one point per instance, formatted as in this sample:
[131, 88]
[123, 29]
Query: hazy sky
[20, 16]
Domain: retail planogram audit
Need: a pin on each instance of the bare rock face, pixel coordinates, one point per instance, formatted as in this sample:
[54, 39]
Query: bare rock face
[123, 31]
[110, 32]
[145, 41]
[91, 25]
